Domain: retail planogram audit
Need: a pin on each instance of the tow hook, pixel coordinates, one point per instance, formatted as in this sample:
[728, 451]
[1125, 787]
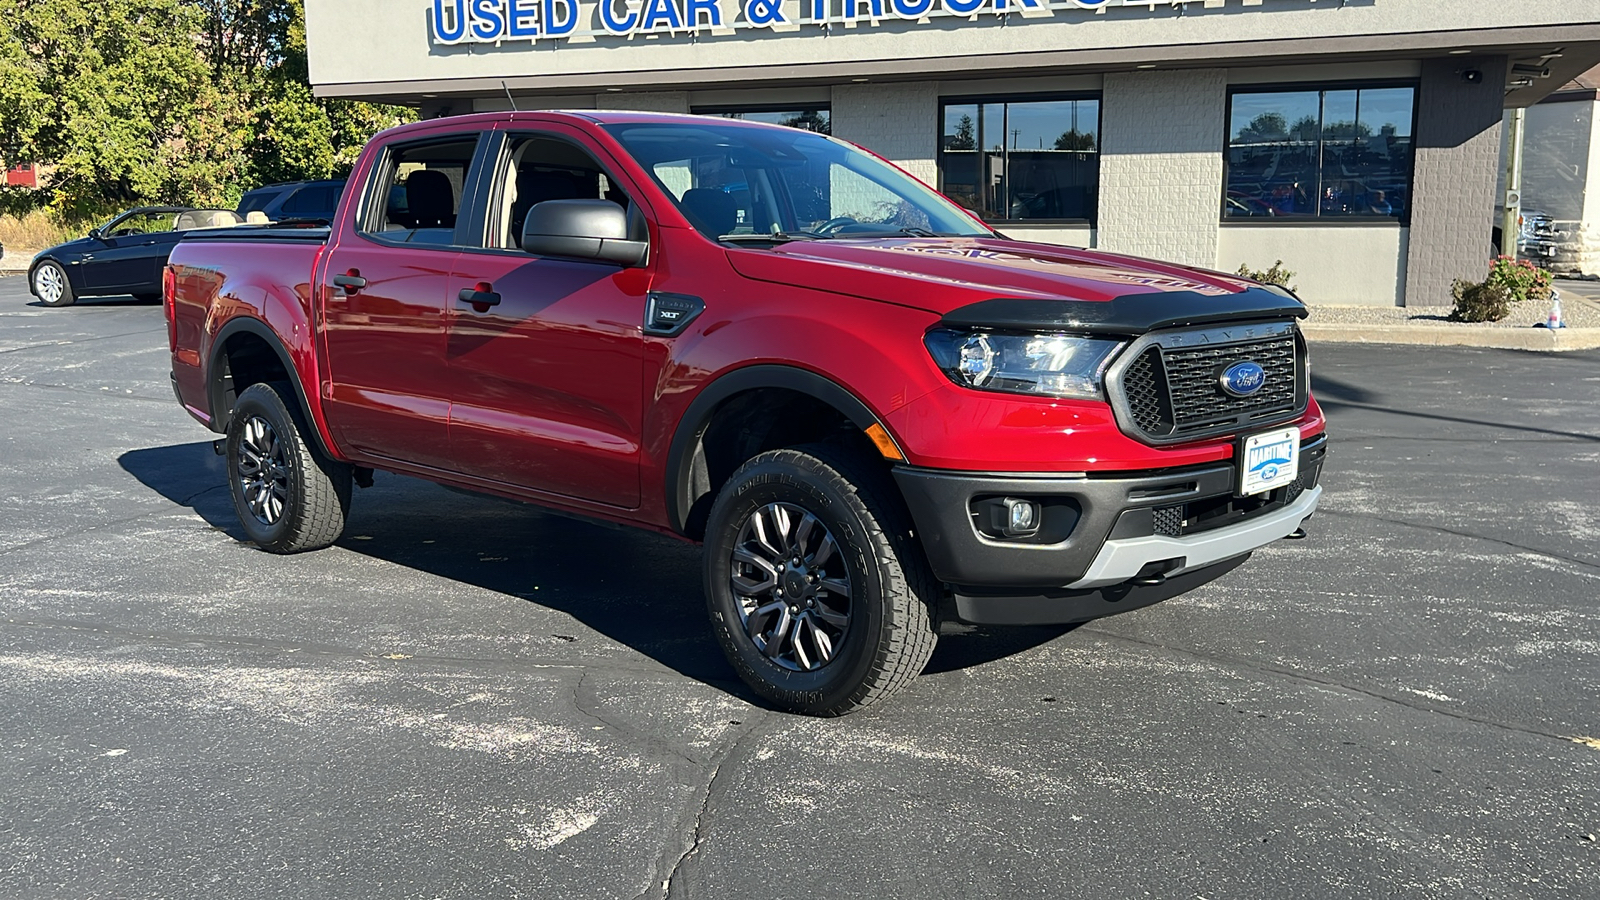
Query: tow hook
[220, 446]
[1299, 534]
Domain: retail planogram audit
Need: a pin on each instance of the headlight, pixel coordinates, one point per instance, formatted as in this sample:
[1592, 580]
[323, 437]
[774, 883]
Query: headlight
[1049, 365]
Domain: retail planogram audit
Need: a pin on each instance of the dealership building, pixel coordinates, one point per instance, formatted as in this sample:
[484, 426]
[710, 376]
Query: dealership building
[1358, 141]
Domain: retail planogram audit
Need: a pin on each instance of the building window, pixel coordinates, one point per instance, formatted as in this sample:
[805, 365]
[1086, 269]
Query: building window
[1334, 153]
[809, 118]
[1022, 159]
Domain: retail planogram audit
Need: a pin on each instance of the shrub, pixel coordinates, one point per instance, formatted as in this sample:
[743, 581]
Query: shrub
[1488, 301]
[1277, 275]
[1521, 279]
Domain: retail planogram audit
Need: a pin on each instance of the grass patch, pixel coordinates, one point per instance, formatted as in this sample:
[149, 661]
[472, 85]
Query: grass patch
[36, 230]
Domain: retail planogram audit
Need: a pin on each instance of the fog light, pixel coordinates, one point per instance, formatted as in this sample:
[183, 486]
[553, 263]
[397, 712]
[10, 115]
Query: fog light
[1022, 517]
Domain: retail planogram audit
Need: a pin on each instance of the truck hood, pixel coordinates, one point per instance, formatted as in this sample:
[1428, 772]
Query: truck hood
[1000, 283]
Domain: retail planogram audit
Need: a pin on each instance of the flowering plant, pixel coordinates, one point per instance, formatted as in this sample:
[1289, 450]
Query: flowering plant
[1521, 279]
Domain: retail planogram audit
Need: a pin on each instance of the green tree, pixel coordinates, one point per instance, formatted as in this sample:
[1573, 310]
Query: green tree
[181, 101]
[963, 139]
[1075, 140]
[114, 96]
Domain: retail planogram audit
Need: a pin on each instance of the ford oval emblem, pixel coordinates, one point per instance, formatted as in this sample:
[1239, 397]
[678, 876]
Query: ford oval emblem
[1243, 378]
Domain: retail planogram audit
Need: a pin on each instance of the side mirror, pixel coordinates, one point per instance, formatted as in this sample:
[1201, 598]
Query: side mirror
[585, 229]
[97, 234]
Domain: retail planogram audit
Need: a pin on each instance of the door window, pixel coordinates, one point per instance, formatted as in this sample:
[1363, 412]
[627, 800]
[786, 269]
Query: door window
[141, 223]
[420, 191]
[545, 168]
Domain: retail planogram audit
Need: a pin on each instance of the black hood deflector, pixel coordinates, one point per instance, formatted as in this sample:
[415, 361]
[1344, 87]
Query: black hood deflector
[1128, 314]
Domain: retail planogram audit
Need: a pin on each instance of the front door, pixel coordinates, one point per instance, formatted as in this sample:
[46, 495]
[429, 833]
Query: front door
[386, 292]
[131, 253]
[547, 388]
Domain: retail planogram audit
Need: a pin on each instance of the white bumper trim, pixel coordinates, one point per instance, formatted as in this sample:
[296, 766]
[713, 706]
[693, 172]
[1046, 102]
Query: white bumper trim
[1121, 560]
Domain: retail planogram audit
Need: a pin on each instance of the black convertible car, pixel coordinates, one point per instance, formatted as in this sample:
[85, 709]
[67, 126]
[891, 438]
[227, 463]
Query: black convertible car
[123, 256]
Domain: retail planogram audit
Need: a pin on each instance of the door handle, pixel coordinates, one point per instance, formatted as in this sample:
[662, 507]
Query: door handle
[481, 297]
[351, 282]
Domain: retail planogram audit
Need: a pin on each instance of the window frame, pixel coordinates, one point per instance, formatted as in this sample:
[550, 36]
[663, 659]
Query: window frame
[1050, 96]
[1317, 219]
[374, 195]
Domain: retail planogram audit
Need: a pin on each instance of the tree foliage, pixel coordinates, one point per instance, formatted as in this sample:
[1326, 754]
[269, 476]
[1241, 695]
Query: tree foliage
[172, 101]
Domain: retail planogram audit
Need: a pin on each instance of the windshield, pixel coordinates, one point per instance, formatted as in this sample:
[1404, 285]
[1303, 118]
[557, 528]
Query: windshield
[736, 180]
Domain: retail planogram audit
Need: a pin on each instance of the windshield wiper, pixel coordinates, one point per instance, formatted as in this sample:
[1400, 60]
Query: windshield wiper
[777, 237]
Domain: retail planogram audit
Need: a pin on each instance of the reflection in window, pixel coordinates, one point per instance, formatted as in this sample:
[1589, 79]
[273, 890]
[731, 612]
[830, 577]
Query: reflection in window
[809, 118]
[1023, 159]
[1320, 153]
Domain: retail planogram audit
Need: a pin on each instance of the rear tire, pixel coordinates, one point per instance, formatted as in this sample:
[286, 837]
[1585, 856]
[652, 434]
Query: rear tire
[288, 496]
[51, 285]
[147, 298]
[818, 631]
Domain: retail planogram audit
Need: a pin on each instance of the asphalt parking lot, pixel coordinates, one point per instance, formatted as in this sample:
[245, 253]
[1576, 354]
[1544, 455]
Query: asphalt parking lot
[470, 698]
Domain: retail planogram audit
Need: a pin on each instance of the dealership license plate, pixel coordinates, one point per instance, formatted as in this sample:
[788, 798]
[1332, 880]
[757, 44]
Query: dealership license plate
[1268, 460]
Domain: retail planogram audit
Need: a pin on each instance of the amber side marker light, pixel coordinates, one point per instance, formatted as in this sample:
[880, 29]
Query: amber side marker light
[884, 443]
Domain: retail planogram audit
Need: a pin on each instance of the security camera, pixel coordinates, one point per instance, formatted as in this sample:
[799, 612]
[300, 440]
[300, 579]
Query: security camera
[1472, 76]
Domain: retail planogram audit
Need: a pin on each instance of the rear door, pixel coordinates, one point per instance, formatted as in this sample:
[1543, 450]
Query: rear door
[547, 388]
[386, 289]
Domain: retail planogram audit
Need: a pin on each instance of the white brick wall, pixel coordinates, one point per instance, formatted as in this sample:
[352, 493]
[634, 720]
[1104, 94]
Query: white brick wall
[650, 101]
[1161, 164]
[899, 122]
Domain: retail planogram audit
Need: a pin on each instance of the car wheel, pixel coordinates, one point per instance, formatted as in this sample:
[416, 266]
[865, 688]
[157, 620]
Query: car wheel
[818, 593]
[289, 497]
[147, 298]
[51, 286]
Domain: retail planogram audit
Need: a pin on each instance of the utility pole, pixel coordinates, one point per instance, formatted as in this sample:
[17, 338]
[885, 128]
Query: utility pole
[1511, 222]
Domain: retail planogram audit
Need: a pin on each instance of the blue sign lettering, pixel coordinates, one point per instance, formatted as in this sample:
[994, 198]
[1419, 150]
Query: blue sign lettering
[608, 17]
[487, 22]
[555, 25]
[707, 8]
[494, 21]
[661, 12]
[449, 21]
[522, 19]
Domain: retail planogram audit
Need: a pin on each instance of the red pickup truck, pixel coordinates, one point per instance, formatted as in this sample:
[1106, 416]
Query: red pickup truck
[877, 414]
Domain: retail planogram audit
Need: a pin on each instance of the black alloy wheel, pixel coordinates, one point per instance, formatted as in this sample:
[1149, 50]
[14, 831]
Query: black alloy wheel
[818, 593]
[288, 496]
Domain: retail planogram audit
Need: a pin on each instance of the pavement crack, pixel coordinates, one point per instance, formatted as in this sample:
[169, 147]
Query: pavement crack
[1320, 681]
[88, 529]
[1464, 534]
[669, 879]
[651, 743]
[307, 649]
[69, 389]
[87, 340]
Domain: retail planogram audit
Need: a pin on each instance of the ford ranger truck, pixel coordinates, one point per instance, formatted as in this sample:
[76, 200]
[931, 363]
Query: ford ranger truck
[879, 417]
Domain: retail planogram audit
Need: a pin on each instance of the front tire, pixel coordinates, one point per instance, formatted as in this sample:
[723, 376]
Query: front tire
[51, 285]
[288, 496]
[818, 593]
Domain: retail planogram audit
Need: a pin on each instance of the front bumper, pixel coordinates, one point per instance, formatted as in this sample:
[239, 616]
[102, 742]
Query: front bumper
[1119, 541]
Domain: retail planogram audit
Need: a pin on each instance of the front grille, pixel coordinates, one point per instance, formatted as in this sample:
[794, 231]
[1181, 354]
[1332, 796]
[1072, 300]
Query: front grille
[1174, 393]
[1148, 400]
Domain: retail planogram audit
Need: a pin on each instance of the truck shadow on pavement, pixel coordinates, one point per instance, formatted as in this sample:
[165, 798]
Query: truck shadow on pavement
[639, 589]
